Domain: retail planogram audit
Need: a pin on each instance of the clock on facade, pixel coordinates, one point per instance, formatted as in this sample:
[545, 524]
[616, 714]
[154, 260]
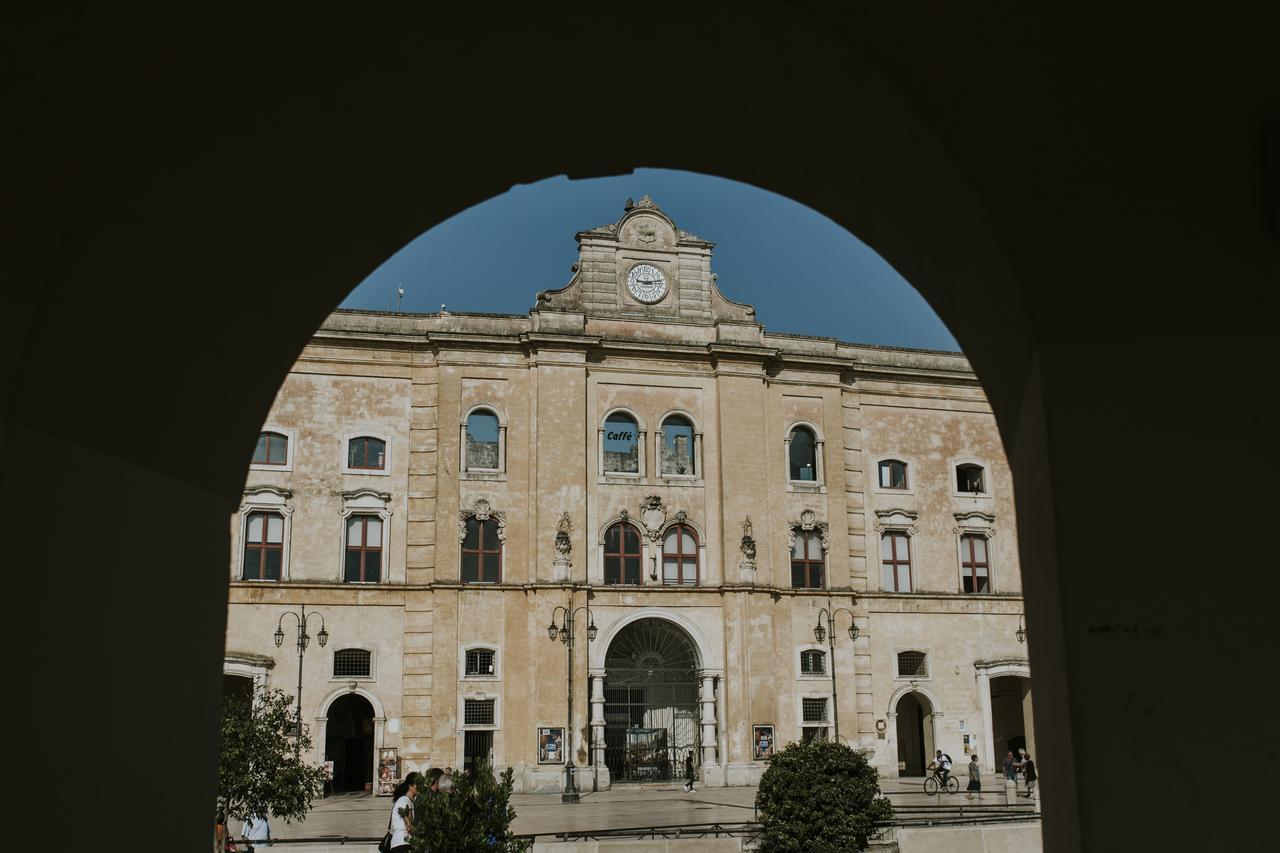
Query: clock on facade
[646, 283]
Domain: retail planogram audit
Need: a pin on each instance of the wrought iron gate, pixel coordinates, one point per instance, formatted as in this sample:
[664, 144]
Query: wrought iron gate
[651, 707]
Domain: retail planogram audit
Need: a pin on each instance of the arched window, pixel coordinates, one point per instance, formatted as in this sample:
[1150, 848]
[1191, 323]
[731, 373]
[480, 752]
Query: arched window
[481, 552]
[263, 546]
[803, 455]
[364, 549]
[621, 444]
[622, 554]
[367, 453]
[807, 560]
[272, 449]
[975, 568]
[893, 474]
[677, 454]
[352, 663]
[895, 561]
[482, 446]
[680, 556]
[969, 478]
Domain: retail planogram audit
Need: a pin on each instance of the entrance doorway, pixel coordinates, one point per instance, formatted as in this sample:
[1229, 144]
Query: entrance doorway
[477, 748]
[650, 702]
[915, 734]
[1010, 710]
[348, 743]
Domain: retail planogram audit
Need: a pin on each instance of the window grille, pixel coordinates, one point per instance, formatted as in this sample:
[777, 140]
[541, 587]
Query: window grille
[479, 662]
[352, 663]
[815, 710]
[912, 665]
[477, 712]
[813, 663]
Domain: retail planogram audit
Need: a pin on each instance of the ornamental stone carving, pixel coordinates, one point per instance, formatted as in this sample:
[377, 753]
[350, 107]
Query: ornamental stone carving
[974, 522]
[748, 546]
[653, 515]
[809, 521]
[896, 519]
[563, 543]
[482, 511]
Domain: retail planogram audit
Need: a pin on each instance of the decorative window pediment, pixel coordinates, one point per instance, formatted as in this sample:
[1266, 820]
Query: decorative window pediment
[482, 511]
[897, 519]
[809, 521]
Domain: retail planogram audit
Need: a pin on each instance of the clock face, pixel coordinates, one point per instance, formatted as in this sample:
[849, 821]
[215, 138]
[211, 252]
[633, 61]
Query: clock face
[646, 283]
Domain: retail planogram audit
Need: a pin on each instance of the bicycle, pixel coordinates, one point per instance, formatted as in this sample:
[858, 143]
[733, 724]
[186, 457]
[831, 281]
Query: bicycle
[932, 783]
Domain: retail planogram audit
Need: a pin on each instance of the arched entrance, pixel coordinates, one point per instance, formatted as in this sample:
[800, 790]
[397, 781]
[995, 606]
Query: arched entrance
[915, 734]
[349, 742]
[650, 702]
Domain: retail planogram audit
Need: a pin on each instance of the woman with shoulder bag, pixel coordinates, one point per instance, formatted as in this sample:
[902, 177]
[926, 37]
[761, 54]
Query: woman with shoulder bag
[400, 826]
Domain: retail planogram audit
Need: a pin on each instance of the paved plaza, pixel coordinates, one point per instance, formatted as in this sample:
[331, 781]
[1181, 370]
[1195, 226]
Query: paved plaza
[625, 806]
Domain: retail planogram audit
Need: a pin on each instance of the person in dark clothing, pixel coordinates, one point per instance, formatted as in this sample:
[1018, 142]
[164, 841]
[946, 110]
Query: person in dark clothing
[688, 772]
[1010, 768]
[1029, 770]
[975, 778]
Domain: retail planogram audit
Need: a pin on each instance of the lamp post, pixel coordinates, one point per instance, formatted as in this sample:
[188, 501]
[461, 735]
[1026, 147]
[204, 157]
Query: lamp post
[829, 632]
[1021, 633]
[303, 639]
[565, 633]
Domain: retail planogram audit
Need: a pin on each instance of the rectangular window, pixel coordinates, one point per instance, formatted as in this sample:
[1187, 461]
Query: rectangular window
[813, 663]
[893, 474]
[479, 662]
[807, 560]
[352, 663]
[621, 555]
[975, 568]
[481, 552]
[263, 546]
[477, 712]
[895, 561]
[813, 711]
[364, 549]
[477, 747]
[912, 665]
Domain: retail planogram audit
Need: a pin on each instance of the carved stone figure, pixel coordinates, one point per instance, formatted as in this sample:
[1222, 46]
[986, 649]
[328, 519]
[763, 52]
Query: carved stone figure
[563, 546]
[653, 515]
[748, 546]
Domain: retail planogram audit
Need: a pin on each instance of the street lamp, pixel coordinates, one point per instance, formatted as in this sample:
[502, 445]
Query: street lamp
[565, 633]
[303, 639]
[1021, 633]
[829, 633]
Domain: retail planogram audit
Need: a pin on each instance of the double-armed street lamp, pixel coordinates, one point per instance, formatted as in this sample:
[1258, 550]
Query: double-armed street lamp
[303, 639]
[565, 633]
[829, 632]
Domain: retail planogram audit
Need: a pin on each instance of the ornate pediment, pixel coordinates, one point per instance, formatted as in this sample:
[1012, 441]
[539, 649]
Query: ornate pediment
[897, 519]
[809, 521]
[482, 511]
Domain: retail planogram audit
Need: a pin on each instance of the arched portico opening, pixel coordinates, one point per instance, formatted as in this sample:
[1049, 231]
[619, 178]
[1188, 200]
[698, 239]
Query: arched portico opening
[349, 742]
[914, 716]
[651, 702]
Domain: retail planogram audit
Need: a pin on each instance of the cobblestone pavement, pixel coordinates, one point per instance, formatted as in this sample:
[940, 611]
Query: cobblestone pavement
[363, 815]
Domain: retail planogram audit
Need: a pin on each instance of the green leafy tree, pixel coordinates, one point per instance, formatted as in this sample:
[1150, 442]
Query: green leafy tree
[258, 772]
[819, 797]
[473, 814]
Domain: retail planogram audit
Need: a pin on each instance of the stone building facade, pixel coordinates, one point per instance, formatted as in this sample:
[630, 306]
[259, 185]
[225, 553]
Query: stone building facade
[699, 493]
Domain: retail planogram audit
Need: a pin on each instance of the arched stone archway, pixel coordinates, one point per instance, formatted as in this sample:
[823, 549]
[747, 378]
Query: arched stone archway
[161, 157]
[348, 740]
[912, 726]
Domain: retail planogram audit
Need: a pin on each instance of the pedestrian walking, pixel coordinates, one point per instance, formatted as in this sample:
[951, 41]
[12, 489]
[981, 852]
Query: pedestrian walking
[401, 826]
[255, 831]
[688, 771]
[1029, 770]
[1010, 768]
[975, 778]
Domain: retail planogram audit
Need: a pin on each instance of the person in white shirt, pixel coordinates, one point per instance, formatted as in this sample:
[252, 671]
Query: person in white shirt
[402, 812]
[255, 828]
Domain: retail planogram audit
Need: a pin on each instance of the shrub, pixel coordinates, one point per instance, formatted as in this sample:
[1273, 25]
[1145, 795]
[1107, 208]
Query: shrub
[473, 814]
[819, 797]
[260, 769]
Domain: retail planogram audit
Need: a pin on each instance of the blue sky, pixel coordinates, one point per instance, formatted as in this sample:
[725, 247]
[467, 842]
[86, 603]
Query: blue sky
[802, 272]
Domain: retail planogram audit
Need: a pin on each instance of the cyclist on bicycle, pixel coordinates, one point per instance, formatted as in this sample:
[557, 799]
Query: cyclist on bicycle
[942, 766]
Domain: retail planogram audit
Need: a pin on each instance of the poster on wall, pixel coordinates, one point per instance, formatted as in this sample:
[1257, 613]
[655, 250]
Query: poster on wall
[762, 742]
[388, 771]
[550, 745]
